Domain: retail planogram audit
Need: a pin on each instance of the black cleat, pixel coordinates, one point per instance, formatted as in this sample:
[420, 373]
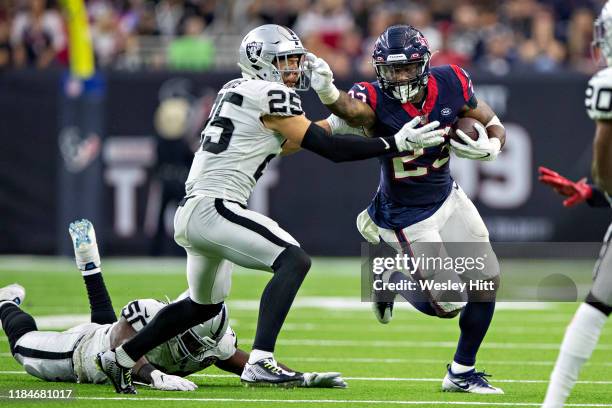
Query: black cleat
[266, 373]
[383, 311]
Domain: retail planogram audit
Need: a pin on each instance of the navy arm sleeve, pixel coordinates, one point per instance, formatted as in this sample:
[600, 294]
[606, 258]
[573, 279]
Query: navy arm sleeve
[346, 147]
[598, 199]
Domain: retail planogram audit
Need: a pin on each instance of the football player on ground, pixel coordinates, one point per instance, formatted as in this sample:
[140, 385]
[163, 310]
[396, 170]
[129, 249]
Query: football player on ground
[417, 201]
[71, 355]
[583, 332]
[255, 118]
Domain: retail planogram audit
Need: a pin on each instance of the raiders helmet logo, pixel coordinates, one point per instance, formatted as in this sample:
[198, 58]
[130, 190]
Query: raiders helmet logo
[253, 51]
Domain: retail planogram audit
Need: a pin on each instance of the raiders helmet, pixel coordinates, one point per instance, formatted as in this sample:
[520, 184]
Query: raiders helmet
[195, 342]
[268, 44]
[602, 33]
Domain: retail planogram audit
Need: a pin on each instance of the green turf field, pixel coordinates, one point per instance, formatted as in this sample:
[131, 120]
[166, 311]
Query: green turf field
[328, 330]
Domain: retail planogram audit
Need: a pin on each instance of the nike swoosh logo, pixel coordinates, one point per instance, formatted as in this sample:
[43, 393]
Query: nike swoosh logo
[146, 314]
[387, 146]
[360, 87]
[463, 387]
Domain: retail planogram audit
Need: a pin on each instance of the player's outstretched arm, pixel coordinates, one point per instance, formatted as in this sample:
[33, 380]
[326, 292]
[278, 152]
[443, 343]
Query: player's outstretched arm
[299, 130]
[602, 156]
[355, 112]
[143, 370]
[575, 191]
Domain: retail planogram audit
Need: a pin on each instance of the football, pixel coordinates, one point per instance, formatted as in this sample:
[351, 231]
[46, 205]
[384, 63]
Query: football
[467, 126]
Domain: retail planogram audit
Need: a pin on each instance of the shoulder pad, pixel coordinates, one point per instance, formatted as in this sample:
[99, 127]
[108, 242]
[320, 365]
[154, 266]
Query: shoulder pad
[365, 92]
[598, 96]
[139, 313]
[278, 99]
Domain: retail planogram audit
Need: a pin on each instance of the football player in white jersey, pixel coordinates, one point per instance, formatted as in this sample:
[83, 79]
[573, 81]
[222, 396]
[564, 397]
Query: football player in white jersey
[71, 355]
[583, 332]
[254, 119]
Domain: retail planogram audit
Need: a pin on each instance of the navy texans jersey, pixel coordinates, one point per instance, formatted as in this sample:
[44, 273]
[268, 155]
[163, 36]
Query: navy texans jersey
[414, 184]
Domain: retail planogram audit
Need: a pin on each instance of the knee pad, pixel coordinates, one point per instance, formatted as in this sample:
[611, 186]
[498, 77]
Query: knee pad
[293, 258]
[602, 307]
[447, 314]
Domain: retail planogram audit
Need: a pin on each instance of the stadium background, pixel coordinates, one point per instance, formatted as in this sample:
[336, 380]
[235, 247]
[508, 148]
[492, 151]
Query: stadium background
[91, 148]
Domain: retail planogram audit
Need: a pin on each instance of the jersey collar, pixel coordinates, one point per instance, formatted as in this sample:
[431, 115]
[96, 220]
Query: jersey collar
[430, 100]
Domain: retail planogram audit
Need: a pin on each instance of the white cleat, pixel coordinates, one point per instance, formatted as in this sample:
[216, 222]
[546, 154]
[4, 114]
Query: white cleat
[472, 381]
[12, 293]
[85, 246]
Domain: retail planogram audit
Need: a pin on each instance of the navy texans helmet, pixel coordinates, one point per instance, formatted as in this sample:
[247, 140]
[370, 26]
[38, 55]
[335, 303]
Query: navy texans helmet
[401, 60]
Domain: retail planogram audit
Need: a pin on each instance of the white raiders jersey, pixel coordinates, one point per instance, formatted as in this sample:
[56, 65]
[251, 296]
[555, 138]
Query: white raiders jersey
[235, 145]
[138, 313]
[598, 100]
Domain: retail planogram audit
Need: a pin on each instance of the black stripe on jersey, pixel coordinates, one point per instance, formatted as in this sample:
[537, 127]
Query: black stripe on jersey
[42, 354]
[248, 224]
[218, 332]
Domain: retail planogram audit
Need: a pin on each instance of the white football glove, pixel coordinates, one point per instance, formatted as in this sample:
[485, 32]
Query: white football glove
[167, 382]
[339, 126]
[322, 79]
[323, 380]
[482, 149]
[410, 137]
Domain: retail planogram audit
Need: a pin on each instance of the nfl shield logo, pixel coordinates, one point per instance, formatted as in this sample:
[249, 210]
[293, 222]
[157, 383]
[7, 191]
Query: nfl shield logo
[253, 51]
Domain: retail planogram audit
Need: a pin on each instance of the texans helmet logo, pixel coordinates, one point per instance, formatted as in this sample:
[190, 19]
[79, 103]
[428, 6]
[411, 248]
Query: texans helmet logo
[253, 51]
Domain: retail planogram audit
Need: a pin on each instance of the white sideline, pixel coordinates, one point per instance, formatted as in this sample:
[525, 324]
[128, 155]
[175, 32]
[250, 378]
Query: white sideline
[334, 401]
[391, 379]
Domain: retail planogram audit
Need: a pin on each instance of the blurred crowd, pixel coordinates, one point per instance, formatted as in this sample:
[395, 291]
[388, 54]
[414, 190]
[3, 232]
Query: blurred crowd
[498, 36]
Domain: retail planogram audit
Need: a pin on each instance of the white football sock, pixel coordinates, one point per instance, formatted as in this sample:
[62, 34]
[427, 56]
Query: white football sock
[4, 302]
[457, 368]
[123, 359]
[257, 355]
[580, 340]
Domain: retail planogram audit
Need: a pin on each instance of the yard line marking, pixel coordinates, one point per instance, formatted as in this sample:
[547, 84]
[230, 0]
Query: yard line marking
[394, 379]
[331, 401]
[369, 360]
[416, 344]
[484, 363]
[412, 328]
[411, 344]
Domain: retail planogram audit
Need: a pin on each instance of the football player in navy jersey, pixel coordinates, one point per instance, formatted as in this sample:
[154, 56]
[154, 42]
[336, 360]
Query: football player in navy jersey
[417, 201]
